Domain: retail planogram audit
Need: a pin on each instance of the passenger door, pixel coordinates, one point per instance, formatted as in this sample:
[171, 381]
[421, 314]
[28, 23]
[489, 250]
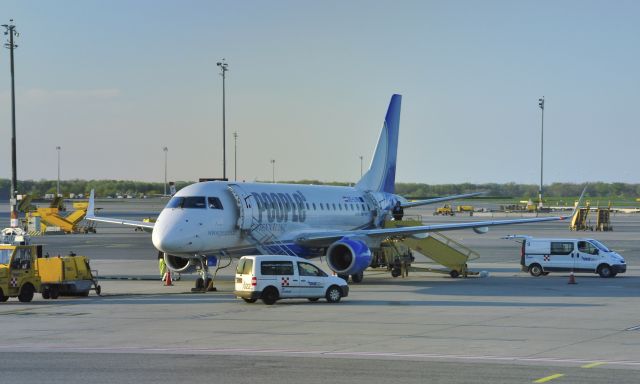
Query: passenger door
[311, 280]
[588, 256]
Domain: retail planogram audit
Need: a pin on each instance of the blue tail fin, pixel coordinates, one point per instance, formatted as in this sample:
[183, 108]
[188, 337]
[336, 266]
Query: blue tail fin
[381, 176]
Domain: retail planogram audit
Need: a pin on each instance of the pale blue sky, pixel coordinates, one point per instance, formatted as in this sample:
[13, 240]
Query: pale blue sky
[112, 82]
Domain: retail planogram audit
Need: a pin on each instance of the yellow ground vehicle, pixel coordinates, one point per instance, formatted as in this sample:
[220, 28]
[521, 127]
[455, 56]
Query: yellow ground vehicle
[18, 272]
[24, 271]
[445, 210]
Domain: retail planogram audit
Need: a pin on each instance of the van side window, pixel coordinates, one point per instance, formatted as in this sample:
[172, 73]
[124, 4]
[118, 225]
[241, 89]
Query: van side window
[276, 268]
[307, 269]
[561, 247]
[586, 247]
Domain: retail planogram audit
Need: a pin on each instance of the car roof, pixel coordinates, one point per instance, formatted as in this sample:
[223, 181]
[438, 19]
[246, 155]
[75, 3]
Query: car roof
[273, 257]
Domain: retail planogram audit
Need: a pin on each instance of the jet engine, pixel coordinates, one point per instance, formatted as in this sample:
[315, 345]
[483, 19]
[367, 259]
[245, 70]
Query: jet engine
[348, 256]
[179, 264]
[481, 230]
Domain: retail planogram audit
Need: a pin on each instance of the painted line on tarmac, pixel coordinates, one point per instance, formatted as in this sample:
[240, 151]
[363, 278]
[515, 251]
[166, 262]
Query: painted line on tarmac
[298, 353]
[549, 378]
[593, 365]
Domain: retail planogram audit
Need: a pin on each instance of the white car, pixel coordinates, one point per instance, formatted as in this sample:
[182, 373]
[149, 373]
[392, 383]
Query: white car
[275, 277]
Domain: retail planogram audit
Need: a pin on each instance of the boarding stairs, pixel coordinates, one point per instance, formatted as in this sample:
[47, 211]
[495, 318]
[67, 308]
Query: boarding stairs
[438, 247]
[266, 241]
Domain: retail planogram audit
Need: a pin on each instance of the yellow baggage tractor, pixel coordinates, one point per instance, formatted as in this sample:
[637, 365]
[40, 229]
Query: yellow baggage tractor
[67, 276]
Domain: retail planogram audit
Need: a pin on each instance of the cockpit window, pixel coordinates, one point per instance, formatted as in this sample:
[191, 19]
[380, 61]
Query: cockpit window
[214, 203]
[187, 202]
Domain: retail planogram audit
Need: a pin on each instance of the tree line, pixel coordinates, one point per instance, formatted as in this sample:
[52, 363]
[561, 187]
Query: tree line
[113, 188]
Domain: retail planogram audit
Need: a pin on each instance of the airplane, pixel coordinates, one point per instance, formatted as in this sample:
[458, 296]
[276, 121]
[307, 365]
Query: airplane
[214, 219]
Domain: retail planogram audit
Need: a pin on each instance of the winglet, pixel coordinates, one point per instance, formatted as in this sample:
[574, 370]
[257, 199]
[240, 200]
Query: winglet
[578, 204]
[91, 209]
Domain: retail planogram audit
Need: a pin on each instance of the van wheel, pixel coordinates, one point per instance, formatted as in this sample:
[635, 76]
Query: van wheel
[26, 293]
[605, 271]
[334, 294]
[270, 295]
[536, 270]
[357, 277]
[250, 301]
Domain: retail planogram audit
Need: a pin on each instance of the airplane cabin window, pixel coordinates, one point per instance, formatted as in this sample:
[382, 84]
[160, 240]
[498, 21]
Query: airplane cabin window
[321, 206]
[214, 203]
[314, 206]
[334, 206]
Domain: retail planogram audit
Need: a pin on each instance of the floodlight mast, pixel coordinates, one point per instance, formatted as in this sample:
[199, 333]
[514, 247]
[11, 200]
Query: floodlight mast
[541, 105]
[10, 30]
[224, 67]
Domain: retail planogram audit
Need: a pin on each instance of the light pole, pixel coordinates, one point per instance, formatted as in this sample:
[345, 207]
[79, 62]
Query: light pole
[10, 30]
[361, 166]
[235, 156]
[223, 68]
[58, 185]
[541, 105]
[166, 150]
[273, 170]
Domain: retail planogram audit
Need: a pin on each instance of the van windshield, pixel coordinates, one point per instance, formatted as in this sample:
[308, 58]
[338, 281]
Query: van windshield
[599, 245]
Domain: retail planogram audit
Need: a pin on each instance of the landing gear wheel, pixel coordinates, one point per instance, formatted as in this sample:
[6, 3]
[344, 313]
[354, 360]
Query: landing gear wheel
[454, 273]
[334, 294]
[250, 301]
[357, 277]
[605, 271]
[536, 270]
[26, 293]
[270, 296]
[199, 284]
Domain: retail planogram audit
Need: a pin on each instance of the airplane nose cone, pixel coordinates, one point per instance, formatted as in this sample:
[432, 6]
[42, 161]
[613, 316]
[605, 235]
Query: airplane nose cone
[175, 237]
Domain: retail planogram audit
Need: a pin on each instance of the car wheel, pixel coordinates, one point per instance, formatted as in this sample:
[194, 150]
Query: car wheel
[536, 270]
[26, 293]
[334, 294]
[357, 277]
[250, 301]
[313, 299]
[270, 296]
[604, 271]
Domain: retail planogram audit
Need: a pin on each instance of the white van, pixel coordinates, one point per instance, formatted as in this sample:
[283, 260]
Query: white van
[541, 256]
[275, 277]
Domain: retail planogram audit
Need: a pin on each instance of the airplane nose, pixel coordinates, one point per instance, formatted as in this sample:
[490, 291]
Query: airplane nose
[175, 239]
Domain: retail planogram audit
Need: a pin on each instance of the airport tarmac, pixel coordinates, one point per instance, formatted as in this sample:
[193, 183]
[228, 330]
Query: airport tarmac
[508, 327]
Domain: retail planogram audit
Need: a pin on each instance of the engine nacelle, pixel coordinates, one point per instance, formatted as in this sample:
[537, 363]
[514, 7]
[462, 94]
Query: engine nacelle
[480, 230]
[179, 264]
[348, 256]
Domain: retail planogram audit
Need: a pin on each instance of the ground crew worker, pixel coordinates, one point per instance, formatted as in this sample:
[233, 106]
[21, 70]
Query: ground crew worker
[162, 266]
[397, 212]
[405, 261]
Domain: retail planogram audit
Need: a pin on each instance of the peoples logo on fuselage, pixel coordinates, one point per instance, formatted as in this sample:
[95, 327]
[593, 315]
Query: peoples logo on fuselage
[280, 207]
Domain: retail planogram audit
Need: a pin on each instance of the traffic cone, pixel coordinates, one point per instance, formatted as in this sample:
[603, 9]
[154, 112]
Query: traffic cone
[572, 278]
[167, 280]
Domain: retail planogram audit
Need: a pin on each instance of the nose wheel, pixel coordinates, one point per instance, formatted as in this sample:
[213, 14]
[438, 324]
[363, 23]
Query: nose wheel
[205, 282]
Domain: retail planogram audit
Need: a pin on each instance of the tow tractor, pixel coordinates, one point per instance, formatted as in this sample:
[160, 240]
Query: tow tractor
[24, 271]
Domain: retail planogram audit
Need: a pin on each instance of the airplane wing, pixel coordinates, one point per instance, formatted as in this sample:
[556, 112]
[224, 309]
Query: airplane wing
[318, 239]
[418, 203]
[91, 216]
[325, 238]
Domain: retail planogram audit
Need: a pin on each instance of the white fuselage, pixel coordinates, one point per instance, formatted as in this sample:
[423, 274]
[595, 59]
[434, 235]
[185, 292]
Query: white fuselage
[208, 218]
